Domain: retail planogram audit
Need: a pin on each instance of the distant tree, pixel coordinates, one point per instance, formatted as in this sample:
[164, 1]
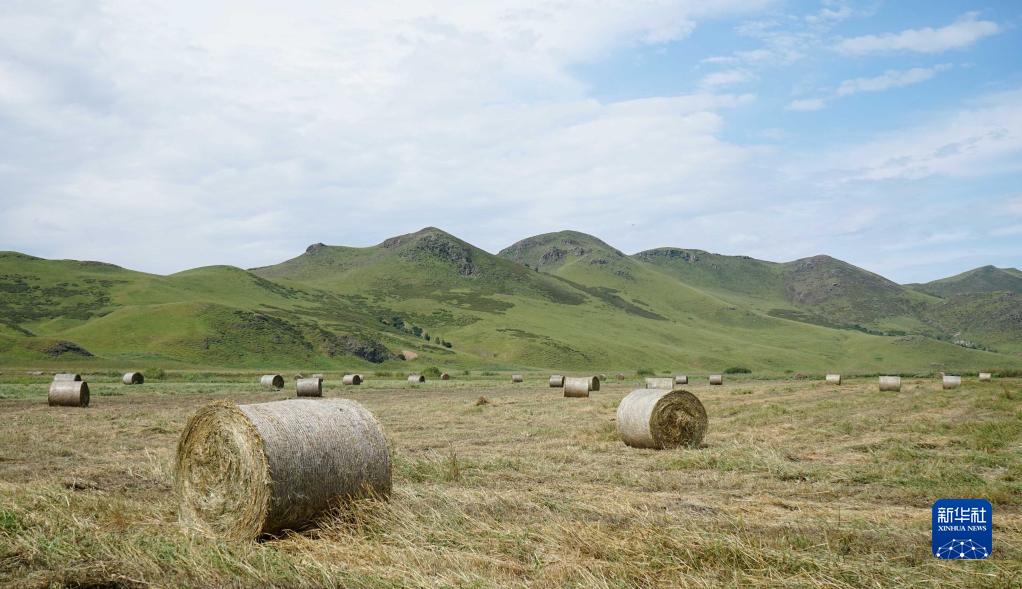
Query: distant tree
[416, 330]
[447, 344]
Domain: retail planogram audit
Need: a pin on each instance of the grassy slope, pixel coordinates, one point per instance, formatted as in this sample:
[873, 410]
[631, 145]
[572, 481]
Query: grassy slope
[979, 280]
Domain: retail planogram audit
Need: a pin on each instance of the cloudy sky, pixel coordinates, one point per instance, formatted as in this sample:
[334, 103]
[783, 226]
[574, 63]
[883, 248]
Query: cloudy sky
[167, 135]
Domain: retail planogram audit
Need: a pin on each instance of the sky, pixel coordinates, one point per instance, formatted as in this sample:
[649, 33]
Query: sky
[165, 136]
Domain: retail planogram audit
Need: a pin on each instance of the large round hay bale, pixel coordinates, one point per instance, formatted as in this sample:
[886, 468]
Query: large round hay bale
[310, 387]
[445, 376]
[716, 379]
[594, 383]
[68, 393]
[620, 375]
[660, 383]
[833, 379]
[272, 381]
[890, 383]
[984, 377]
[577, 386]
[67, 376]
[556, 381]
[661, 418]
[680, 379]
[951, 382]
[517, 378]
[351, 379]
[245, 471]
[133, 378]
[416, 378]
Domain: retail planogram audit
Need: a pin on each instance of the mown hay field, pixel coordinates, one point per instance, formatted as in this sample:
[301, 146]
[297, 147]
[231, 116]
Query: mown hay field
[798, 483]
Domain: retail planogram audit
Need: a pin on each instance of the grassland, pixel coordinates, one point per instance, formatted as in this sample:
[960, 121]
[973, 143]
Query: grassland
[798, 484]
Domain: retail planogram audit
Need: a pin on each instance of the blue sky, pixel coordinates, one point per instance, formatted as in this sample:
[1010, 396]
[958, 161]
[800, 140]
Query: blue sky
[888, 134]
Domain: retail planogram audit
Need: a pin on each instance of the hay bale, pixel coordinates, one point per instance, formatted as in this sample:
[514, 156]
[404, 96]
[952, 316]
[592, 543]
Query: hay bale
[594, 383]
[272, 381]
[661, 418]
[951, 382]
[445, 376]
[716, 379]
[517, 378]
[984, 377]
[67, 377]
[317, 375]
[416, 378]
[310, 387]
[245, 471]
[680, 379]
[833, 379]
[660, 383]
[351, 379]
[890, 383]
[133, 378]
[620, 376]
[578, 386]
[68, 393]
[556, 381]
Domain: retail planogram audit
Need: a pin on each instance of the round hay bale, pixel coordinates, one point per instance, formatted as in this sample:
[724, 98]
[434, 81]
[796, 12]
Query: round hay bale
[445, 376]
[133, 378]
[660, 383]
[310, 387]
[272, 381]
[716, 379]
[951, 382]
[517, 378]
[602, 377]
[246, 471]
[351, 379]
[68, 393]
[984, 377]
[577, 386]
[661, 418]
[833, 379]
[67, 377]
[620, 376]
[680, 379]
[416, 378]
[556, 381]
[317, 375]
[890, 383]
[594, 383]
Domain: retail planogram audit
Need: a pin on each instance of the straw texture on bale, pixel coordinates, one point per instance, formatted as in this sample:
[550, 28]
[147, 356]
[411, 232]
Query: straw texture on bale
[661, 418]
[317, 375]
[833, 379]
[414, 378]
[133, 378]
[246, 471]
[310, 387]
[272, 381]
[351, 379]
[951, 382]
[517, 378]
[556, 381]
[68, 393]
[716, 379]
[620, 376]
[594, 383]
[890, 383]
[577, 386]
[660, 383]
[445, 376]
[984, 377]
[680, 379]
[67, 377]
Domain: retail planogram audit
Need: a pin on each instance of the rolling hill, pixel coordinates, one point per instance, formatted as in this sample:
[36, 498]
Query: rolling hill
[561, 300]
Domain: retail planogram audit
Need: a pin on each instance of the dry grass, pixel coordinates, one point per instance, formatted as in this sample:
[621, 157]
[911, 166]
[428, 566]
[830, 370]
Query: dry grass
[798, 484]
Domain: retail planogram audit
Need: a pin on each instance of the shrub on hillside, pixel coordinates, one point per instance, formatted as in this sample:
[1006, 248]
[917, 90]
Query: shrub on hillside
[432, 371]
[737, 370]
[644, 372]
[154, 374]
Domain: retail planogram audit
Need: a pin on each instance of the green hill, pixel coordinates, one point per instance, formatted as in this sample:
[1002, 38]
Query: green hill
[978, 280]
[562, 300]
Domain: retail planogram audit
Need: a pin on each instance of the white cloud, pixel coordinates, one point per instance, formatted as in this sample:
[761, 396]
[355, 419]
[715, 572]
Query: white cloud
[889, 79]
[807, 104]
[726, 78]
[964, 32]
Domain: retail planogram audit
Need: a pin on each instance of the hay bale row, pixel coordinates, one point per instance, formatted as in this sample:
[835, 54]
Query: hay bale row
[556, 381]
[246, 471]
[352, 379]
[516, 378]
[680, 379]
[661, 418]
[68, 393]
[131, 378]
[67, 377]
[716, 379]
[890, 383]
[580, 386]
[951, 382]
[272, 381]
[416, 378]
[660, 383]
[309, 387]
[833, 379]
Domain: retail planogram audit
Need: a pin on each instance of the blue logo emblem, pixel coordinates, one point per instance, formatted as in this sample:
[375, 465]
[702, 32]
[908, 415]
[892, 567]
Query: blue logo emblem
[961, 529]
